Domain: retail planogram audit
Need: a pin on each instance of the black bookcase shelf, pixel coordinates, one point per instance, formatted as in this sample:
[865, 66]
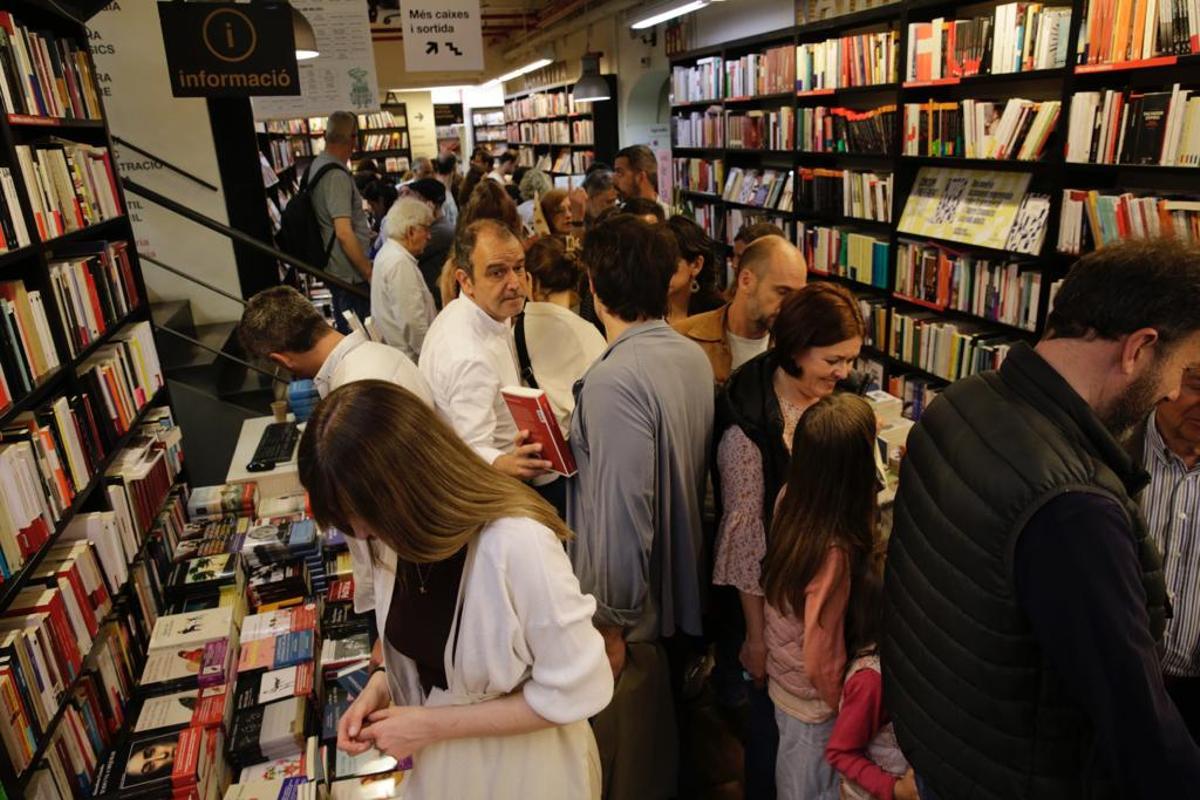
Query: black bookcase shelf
[31, 264]
[603, 114]
[1050, 175]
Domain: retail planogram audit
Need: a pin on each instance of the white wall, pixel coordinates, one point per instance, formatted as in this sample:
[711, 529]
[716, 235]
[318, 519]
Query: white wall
[131, 64]
[736, 19]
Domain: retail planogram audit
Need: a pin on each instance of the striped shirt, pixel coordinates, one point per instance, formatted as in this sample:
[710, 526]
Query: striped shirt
[1172, 507]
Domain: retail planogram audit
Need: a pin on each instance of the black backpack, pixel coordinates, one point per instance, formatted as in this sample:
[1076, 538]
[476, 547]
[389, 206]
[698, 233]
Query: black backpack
[299, 232]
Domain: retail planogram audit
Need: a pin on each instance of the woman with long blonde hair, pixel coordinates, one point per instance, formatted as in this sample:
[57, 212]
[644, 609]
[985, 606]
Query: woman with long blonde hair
[492, 664]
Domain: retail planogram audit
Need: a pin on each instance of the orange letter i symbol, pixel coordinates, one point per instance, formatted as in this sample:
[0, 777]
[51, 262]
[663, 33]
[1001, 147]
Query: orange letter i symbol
[229, 35]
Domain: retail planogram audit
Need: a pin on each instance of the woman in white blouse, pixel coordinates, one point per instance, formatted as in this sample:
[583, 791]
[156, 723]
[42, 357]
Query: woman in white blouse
[493, 666]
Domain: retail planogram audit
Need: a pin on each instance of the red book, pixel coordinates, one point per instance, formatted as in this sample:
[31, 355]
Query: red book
[530, 409]
[40, 598]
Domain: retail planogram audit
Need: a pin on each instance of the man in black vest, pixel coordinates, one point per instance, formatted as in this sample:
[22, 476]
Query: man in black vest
[1025, 597]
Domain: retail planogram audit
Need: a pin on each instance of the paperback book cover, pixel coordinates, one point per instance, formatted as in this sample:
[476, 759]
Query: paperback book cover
[274, 623]
[158, 765]
[192, 629]
[279, 789]
[530, 409]
[337, 653]
[380, 786]
[188, 709]
[307, 764]
[275, 730]
[276, 652]
[259, 688]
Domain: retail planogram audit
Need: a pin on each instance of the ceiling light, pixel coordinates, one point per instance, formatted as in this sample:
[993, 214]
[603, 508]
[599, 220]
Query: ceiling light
[664, 12]
[519, 71]
[591, 86]
[306, 40]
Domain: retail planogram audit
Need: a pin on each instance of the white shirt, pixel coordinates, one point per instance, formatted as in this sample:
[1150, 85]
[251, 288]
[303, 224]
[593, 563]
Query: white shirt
[466, 359]
[562, 345]
[742, 349]
[524, 626]
[356, 358]
[400, 300]
[497, 176]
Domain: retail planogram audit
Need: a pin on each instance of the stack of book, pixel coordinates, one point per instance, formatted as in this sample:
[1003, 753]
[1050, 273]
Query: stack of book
[848, 193]
[272, 543]
[396, 140]
[44, 75]
[737, 218]
[949, 350]
[846, 130]
[756, 74]
[69, 185]
[980, 128]
[380, 119]
[767, 188]
[874, 310]
[761, 129]
[188, 764]
[865, 59]
[278, 585]
[991, 289]
[830, 250]
[697, 84]
[703, 175]
[1127, 127]
[1019, 37]
[13, 231]
[1131, 30]
[699, 128]
[191, 650]
[226, 499]
[916, 392]
[583, 131]
[94, 287]
[1091, 219]
[27, 350]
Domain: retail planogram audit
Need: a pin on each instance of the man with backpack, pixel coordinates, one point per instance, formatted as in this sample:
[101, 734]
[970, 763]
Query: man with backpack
[341, 219]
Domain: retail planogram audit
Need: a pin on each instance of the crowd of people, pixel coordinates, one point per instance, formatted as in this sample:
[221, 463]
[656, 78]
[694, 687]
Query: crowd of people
[710, 606]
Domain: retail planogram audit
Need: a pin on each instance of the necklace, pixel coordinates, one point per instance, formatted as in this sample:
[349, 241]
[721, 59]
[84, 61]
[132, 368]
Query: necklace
[421, 578]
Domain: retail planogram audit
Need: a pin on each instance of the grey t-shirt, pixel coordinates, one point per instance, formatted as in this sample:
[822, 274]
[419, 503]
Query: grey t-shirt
[337, 196]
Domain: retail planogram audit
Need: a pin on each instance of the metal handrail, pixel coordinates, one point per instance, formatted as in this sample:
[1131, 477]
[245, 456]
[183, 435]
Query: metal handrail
[192, 278]
[244, 238]
[220, 353]
[167, 164]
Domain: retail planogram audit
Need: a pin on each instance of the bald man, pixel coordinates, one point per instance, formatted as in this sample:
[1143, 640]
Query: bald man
[771, 268]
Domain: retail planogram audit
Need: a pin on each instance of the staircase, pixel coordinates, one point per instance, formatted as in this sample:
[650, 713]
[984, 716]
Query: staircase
[211, 395]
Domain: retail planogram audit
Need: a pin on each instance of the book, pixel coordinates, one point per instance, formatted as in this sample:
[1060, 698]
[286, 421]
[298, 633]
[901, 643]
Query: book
[43, 74]
[531, 411]
[283, 621]
[259, 688]
[276, 652]
[202, 708]
[189, 630]
[866, 59]
[379, 786]
[351, 649]
[279, 789]
[180, 765]
[214, 502]
[307, 764]
[267, 732]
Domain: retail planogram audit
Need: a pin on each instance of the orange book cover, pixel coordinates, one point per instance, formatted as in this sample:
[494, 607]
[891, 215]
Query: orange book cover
[1120, 35]
[1139, 29]
[531, 412]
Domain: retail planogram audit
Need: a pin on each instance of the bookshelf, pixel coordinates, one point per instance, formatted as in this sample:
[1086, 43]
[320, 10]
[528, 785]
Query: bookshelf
[730, 111]
[75, 336]
[488, 128]
[384, 137]
[547, 129]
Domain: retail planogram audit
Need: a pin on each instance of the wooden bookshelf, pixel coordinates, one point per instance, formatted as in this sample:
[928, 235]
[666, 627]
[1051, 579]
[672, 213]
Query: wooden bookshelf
[31, 265]
[552, 109]
[1051, 174]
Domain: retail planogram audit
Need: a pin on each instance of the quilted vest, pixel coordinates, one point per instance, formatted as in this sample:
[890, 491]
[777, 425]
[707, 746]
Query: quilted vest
[976, 708]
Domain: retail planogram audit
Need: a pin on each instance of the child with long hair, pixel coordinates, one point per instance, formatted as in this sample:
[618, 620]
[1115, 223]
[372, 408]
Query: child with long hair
[863, 747]
[821, 545]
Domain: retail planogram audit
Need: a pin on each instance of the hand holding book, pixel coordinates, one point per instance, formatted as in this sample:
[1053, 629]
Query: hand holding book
[350, 727]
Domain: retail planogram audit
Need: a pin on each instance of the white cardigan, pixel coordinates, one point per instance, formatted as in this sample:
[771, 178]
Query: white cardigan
[524, 625]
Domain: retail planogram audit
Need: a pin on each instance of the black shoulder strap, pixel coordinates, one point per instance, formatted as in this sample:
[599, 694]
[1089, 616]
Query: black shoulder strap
[523, 360]
[305, 183]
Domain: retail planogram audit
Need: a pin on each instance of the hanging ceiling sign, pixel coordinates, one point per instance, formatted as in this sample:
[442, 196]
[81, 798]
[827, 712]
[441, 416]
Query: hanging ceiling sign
[443, 36]
[229, 49]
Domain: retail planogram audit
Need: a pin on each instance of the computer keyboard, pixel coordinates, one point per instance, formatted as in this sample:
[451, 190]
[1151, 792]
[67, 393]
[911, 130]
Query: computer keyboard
[275, 446]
